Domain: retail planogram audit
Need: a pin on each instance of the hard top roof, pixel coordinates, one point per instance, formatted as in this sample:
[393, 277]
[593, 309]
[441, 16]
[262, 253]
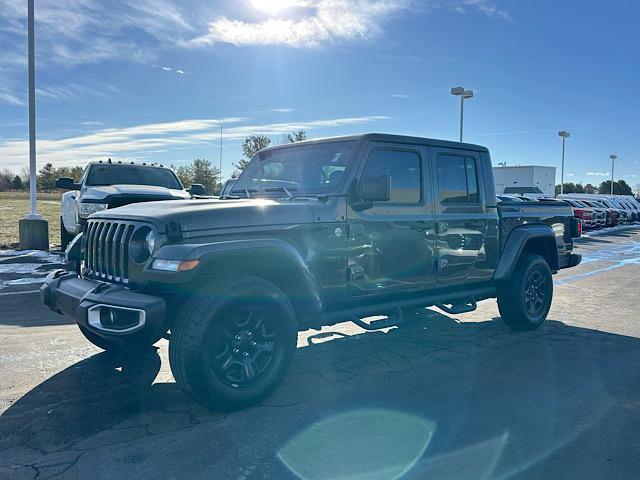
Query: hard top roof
[388, 138]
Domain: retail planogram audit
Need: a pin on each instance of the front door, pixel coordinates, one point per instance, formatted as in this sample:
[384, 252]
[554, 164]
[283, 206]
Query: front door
[391, 245]
[461, 225]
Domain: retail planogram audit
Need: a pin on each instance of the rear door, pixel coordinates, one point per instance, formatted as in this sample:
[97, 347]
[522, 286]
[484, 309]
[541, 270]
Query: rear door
[391, 245]
[461, 215]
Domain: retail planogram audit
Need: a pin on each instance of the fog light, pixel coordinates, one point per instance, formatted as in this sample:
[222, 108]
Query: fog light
[115, 319]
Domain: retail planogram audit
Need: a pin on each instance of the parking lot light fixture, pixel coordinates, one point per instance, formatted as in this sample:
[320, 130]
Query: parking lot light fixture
[613, 158]
[464, 95]
[564, 134]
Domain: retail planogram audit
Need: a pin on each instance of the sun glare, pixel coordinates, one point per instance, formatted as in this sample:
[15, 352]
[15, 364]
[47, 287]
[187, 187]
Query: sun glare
[275, 6]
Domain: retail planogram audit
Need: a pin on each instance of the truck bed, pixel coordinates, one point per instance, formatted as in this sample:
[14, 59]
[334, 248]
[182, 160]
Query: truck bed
[556, 214]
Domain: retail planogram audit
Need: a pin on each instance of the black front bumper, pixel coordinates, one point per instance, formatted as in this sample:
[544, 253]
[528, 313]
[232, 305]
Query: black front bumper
[66, 293]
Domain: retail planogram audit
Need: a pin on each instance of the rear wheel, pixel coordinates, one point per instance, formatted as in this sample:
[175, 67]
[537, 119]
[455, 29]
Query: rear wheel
[524, 302]
[233, 343]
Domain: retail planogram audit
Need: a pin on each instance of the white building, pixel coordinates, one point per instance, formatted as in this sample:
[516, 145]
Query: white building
[519, 179]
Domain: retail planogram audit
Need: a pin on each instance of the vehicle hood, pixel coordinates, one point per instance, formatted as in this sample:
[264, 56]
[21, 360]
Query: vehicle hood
[194, 215]
[107, 192]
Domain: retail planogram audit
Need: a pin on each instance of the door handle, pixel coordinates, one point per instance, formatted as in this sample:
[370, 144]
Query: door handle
[473, 224]
[419, 226]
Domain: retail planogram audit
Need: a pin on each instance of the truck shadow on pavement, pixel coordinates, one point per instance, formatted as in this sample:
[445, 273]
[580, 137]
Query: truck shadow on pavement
[431, 398]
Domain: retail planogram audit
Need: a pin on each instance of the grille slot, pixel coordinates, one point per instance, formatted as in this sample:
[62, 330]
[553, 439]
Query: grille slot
[106, 254]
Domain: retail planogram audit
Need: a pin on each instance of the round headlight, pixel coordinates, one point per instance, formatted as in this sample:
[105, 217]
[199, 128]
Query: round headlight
[151, 241]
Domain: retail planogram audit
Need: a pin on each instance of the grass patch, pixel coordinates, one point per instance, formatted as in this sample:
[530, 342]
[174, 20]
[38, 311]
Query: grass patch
[14, 206]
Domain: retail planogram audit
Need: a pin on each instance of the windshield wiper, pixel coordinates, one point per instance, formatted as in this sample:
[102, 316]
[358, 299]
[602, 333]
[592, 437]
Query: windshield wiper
[281, 189]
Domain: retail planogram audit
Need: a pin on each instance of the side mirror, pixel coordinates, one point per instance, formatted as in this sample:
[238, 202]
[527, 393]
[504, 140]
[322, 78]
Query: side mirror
[67, 183]
[375, 189]
[197, 189]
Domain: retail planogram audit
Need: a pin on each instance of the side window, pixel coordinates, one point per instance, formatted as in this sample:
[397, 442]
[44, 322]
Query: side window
[457, 180]
[472, 180]
[404, 169]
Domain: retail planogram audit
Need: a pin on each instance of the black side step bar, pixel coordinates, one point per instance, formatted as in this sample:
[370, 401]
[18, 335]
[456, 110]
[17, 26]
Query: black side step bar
[465, 306]
[390, 321]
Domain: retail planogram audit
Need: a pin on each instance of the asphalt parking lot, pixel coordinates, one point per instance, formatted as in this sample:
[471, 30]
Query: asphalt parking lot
[442, 397]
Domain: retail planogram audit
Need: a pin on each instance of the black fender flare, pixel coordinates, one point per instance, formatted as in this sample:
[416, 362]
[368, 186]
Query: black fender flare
[515, 244]
[209, 253]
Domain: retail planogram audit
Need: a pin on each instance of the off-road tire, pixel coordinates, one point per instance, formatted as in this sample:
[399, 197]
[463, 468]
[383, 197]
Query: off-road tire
[215, 323]
[525, 299]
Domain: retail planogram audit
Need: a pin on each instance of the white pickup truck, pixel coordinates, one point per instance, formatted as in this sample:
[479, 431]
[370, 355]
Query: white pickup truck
[114, 184]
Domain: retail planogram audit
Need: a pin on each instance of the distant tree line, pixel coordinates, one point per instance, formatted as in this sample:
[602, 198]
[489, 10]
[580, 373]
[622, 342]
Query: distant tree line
[619, 188]
[199, 170]
[46, 177]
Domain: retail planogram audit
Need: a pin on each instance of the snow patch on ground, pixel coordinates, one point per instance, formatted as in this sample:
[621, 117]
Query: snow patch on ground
[31, 268]
[31, 263]
[45, 257]
[23, 281]
[605, 231]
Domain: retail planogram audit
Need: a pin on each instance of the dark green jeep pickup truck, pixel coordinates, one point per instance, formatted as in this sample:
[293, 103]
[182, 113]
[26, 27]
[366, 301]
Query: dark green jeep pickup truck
[312, 234]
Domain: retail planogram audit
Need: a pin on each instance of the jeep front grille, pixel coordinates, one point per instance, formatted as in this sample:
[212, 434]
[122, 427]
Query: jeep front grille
[106, 252]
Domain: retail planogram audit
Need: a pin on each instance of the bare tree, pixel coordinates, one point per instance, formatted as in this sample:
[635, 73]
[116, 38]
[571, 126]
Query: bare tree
[295, 136]
[251, 145]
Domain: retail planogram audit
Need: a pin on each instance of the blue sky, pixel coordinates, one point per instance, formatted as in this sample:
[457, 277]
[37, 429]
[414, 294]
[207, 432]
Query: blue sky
[151, 80]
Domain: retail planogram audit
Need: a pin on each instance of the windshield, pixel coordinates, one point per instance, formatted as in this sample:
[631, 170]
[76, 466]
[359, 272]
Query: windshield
[114, 174]
[316, 169]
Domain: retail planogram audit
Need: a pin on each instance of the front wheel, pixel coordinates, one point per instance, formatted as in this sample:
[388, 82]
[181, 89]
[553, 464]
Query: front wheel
[524, 302]
[65, 237]
[233, 343]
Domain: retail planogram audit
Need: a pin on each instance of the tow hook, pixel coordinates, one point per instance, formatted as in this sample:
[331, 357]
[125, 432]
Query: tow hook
[59, 273]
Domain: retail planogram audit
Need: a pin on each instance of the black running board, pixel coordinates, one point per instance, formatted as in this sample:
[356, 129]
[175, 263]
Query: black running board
[466, 306]
[390, 321]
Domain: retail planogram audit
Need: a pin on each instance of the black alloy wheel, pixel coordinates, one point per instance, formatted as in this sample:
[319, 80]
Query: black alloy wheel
[535, 293]
[244, 347]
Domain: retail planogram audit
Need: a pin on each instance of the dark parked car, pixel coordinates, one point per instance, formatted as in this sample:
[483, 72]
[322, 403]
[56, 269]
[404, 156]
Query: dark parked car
[326, 231]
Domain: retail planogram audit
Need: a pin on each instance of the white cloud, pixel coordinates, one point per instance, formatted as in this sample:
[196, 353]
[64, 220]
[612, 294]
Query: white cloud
[282, 110]
[79, 32]
[488, 7]
[598, 174]
[165, 68]
[399, 95]
[75, 91]
[330, 21]
[130, 142]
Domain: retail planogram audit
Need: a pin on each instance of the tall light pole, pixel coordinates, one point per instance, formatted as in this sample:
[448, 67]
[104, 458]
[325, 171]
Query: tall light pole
[220, 154]
[564, 134]
[464, 95]
[33, 215]
[613, 158]
[33, 229]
